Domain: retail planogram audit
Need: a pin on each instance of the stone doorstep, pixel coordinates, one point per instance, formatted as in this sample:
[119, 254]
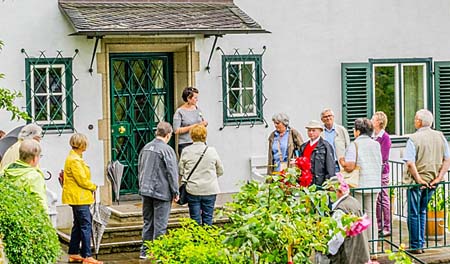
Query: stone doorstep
[124, 238]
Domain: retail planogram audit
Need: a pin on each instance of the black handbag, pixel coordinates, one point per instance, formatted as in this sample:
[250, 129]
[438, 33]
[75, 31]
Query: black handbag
[182, 190]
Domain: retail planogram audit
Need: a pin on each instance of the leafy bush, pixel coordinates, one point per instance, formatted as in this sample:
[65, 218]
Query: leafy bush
[7, 98]
[28, 234]
[272, 222]
[400, 257]
[191, 243]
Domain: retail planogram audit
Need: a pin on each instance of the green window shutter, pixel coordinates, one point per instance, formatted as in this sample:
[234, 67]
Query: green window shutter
[442, 96]
[356, 93]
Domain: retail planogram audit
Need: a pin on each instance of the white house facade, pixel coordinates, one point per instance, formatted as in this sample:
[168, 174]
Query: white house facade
[112, 69]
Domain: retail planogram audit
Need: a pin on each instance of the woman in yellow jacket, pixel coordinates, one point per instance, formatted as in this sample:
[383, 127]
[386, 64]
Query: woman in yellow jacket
[78, 192]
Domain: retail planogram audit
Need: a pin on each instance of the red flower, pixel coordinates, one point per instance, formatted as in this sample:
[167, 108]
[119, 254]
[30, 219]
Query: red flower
[304, 165]
[305, 179]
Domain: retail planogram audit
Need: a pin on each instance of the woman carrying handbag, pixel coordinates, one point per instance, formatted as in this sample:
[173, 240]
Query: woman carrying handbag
[199, 167]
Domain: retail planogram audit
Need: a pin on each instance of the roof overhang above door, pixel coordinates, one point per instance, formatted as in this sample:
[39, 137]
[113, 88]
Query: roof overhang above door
[94, 18]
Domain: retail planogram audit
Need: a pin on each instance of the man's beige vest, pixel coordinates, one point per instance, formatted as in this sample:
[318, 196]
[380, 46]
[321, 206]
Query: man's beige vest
[430, 150]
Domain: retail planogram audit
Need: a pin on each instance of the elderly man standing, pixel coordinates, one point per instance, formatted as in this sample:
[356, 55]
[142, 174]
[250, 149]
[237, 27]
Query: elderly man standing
[30, 131]
[334, 134]
[319, 152]
[427, 158]
[158, 184]
[24, 172]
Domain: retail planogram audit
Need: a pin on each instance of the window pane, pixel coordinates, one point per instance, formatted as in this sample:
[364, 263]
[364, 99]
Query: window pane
[158, 107]
[247, 101]
[137, 75]
[56, 112]
[120, 108]
[40, 82]
[119, 75]
[40, 108]
[157, 74]
[247, 75]
[233, 75]
[233, 99]
[413, 87]
[141, 109]
[385, 94]
[55, 75]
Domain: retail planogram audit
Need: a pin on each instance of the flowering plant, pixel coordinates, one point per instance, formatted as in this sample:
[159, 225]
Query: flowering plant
[302, 173]
[304, 165]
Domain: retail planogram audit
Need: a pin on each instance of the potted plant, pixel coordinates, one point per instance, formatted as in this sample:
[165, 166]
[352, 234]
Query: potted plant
[436, 215]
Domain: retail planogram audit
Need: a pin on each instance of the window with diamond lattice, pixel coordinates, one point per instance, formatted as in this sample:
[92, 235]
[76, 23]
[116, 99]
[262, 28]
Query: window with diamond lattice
[242, 89]
[49, 92]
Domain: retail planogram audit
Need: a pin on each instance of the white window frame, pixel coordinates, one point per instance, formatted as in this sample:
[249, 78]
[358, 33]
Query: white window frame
[241, 88]
[399, 90]
[48, 93]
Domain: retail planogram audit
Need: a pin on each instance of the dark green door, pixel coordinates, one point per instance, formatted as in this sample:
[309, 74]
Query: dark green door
[141, 96]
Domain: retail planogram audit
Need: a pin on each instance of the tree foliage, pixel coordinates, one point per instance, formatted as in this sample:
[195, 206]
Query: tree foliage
[7, 98]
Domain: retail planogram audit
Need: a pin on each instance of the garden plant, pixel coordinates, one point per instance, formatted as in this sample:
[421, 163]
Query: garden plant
[28, 234]
[7, 98]
[283, 220]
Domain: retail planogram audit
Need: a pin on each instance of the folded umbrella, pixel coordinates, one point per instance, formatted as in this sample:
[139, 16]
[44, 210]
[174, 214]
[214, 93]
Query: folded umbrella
[115, 173]
[100, 219]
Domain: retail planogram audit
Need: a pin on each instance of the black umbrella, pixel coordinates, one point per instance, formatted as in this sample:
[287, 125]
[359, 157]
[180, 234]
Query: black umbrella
[9, 139]
[115, 172]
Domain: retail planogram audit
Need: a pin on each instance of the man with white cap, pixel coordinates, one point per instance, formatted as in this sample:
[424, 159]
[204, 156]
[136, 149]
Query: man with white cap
[319, 152]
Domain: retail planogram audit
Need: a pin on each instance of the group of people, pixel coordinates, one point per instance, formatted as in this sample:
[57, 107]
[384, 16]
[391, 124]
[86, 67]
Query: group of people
[328, 148]
[20, 165]
[330, 151]
[160, 171]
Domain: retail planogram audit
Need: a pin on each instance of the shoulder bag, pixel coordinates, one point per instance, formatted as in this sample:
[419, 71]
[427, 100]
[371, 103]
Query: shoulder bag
[352, 178]
[182, 190]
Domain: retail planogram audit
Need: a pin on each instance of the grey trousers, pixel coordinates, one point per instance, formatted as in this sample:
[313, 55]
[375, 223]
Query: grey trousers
[156, 216]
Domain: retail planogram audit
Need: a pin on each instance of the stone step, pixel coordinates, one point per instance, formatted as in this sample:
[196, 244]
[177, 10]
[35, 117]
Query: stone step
[135, 216]
[124, 230]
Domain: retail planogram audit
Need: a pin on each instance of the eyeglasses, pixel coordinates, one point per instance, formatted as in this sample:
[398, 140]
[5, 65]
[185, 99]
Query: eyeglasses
[327, 116]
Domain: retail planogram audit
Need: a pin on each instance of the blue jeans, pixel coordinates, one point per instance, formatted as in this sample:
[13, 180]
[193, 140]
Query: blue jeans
[417, 209]
[81, 231]
[201, 208]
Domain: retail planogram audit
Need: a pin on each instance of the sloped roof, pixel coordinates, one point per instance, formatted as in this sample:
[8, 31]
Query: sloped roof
[149, 17]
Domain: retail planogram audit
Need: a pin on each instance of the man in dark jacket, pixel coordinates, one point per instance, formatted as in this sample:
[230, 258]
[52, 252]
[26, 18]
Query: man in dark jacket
[158, 183]
[319, 152]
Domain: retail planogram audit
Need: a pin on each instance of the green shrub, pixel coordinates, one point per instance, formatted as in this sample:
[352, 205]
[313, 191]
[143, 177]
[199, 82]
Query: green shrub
[191, 243]
[28, 234]
[270, 221]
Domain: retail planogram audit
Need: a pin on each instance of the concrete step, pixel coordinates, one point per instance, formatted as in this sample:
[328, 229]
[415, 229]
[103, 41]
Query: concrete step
[124, 230]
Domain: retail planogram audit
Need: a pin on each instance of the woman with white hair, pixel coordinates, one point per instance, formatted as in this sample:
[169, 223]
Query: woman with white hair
[282, 143]
[30, 131]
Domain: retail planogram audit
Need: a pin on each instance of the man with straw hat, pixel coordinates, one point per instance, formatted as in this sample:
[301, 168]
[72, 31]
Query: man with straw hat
[319, 152]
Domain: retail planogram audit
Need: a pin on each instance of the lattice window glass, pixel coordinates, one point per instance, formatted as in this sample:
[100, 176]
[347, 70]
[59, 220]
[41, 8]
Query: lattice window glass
[242, 89]
[49, 92]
